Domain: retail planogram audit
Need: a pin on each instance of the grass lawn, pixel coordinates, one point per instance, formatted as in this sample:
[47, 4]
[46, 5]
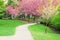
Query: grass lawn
[7, 27]
[38, 33]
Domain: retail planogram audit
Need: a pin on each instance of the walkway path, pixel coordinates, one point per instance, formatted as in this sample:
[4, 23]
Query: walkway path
[22, 33]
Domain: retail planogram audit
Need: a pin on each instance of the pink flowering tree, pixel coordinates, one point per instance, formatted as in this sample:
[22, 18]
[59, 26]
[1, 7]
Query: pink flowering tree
[13, 11]
[55, 2]
[30, 7]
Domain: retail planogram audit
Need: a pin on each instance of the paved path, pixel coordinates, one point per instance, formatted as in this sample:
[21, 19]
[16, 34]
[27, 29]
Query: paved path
[22, 33]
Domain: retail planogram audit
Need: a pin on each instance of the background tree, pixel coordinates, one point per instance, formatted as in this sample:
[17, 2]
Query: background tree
[12, 8]
[48, 11]
[9, 2]
[31, 7]
[13, 11]
[2, 9]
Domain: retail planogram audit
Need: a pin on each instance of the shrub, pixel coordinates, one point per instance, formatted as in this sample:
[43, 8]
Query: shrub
[2, 9]
[56, 19]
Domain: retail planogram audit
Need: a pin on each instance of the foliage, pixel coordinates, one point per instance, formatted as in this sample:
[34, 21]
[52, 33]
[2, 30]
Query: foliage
[13, 10]
[30, 6]
[9, 2]
[55, 2]
[2, 9]
[55, 20]
[48, 10]
[33, 7]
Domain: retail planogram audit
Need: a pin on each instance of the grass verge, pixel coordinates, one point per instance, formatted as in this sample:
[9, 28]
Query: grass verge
[8, 27]
[38, 33]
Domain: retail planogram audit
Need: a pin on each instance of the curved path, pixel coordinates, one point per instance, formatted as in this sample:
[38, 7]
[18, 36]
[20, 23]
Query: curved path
[22, 33]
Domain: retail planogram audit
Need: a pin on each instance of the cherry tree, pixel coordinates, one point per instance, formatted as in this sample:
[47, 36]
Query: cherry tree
[31, 6]
[13, 11]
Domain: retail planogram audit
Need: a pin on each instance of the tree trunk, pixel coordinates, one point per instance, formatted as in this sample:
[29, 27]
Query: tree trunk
[12, 16]
[34, 18]
[46, 27]
[28, 16]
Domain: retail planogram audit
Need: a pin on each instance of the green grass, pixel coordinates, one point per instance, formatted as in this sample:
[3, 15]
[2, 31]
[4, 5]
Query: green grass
[38, 32]
[8, 27]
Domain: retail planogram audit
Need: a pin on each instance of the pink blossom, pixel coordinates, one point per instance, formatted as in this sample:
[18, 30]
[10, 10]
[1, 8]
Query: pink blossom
[30, 6]
[55, 2]
[12, 11]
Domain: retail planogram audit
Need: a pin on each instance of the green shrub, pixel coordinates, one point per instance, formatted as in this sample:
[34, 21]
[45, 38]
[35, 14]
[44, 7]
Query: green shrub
[2, 9]
[56, 19]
